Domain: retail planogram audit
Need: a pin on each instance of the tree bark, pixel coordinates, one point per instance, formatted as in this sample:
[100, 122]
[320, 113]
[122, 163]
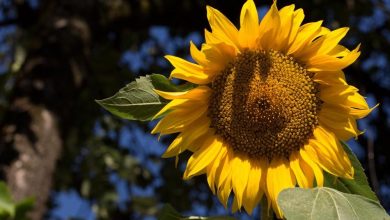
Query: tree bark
[30, 173]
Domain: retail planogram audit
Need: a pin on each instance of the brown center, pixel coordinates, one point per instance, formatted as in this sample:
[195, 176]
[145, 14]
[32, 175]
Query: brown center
[264, 104]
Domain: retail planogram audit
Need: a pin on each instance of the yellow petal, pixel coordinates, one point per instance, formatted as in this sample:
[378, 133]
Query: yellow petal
[330, 78]
[222, 28]
[174, 148]
[361, 113]
[339, 51]
[170, 106]
[200, 93]
[225, 190]
[338, 121]
[309, 157]
[355, 100]
[219, 56]
[211, 38]
[336, 94]
[188, 139]
[331, 155]
[298, 17]
[295, 165]
[326, 43]
[303, 52]
[240, 173]
[249, 22]
[212, 168]
[254, 189]
[286, 15]
[198, 56]
[269, 28]
[203, 157]
[323, 157]
[188, 71]
[279, 177]
[178, 120]
[347, 97]
[331, 63]
[307, 170]
[214, 56]
[304, 36]
[224, 170]
[358, 105]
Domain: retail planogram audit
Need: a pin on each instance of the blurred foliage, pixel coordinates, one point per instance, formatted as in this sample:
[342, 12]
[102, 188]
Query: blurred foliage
[9, 209]
[86, 50]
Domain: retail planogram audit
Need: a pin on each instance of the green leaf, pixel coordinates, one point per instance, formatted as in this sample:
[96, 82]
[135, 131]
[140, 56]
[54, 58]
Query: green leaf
[327, 203]
[359, 185]
[23, 207]
[160, 82]
[169, 213]
[7, 207]
[138, 100]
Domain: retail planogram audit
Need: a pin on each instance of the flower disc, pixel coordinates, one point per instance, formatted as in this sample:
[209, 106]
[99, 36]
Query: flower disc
[264, 104]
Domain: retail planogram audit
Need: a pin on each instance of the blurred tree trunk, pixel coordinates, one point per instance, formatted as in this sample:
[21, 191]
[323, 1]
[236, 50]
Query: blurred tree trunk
[36, 124]
[38, 119]
[30, 173]
[41, 105]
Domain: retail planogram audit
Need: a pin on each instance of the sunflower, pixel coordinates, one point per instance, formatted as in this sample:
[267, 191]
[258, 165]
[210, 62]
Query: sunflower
[270, 107]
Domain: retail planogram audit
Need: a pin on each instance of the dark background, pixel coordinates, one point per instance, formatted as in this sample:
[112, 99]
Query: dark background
[80, 162]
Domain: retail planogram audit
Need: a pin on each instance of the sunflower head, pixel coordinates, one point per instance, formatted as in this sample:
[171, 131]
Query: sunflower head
[270, 108]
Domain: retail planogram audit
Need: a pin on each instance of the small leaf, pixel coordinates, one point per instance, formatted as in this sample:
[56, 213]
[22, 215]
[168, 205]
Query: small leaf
[327, 203]
[169, 213]
[138, 100]
[7, 207]
[23, 207]
[359, 185]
